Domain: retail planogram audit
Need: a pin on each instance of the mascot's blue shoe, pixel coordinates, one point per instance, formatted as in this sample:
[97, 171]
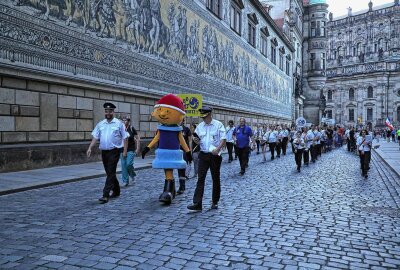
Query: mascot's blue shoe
[169, 192]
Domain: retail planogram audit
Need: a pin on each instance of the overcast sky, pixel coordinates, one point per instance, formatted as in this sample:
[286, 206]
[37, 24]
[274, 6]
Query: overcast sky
[339, 7]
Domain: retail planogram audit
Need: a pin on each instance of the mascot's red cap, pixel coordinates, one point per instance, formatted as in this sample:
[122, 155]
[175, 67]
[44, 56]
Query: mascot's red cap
[171, 101]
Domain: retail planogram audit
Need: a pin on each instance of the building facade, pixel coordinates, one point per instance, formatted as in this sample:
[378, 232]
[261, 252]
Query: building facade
[288, 15]
[363, 74]
[61, 60]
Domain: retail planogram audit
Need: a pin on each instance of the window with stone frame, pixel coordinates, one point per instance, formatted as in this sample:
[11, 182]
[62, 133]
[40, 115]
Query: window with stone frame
[351, 93]
[330, 95]
[323, 32]
[312, 61]
[215, 7]
[264, 44]
[351, 115]
[398, 114]
[287, 66]
[323, 61]
[370, 92]
[252, 29]
[370, 112]
[236, 16]
[313, 29]
[329, 114]
[274, 44]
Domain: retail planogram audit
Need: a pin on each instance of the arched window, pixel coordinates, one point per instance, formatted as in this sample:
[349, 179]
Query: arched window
[329, 94]
[358, 49]
[398, 114]
[340, 51]
[381, 44]
[351, 93]
[370, 92]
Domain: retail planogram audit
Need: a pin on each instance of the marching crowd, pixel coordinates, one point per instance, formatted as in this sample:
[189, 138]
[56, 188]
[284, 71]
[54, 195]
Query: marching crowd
[203, 145]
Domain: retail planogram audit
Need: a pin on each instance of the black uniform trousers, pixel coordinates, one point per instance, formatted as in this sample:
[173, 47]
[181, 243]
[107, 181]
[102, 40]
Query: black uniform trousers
[306, 156]
[212, 162]
[364, 161]
[285, 141]
[229, 146]
[298, 156]
[110, 161]
[258, 145]
[243, 154]
[314, 152]
[272, 149]
[278, 148]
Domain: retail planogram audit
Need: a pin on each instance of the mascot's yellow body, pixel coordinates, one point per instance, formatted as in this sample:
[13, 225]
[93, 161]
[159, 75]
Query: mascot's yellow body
[169, 112]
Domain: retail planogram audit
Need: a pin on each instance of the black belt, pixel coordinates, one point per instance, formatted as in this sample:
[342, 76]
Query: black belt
[112, 149]
[205, 153]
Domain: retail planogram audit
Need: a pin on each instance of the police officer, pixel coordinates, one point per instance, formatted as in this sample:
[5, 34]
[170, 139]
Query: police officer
[211, 136]
[113, 140]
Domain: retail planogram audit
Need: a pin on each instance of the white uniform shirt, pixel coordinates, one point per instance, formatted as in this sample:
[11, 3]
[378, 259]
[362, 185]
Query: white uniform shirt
[210, 135]
[363, 147]
[285, 133]
[272, 136]
[229, 134]
[298, 143]
[309, 138]
[317, 134]
[111, 134]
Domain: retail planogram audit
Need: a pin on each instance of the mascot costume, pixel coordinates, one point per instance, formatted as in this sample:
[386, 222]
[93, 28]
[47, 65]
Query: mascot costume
[169, 112]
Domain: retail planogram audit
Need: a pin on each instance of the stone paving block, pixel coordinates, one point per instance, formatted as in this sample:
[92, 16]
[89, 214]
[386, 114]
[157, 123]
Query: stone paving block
[54, 258]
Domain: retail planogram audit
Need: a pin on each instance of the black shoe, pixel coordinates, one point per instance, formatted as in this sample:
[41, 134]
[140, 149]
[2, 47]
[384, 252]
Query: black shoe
[195, 207]
[103, 200]
[169, 192]
[214, 206]
[229, 161]
[272, 158]
[182, 187]
[366, 176]
[278, 156]
[126, 184]
[247, 165]
[114, 195]
[298, 169]
[241, 173]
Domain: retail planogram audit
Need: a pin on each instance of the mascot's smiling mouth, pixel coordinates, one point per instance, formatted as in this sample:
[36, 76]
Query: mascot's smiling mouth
[163, 118]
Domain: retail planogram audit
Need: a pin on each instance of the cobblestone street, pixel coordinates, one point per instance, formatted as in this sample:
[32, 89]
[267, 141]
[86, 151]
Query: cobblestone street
[326, 217]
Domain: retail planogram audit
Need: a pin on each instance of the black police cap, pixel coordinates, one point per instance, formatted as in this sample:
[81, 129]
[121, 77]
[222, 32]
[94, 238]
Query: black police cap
[109, 105]
[205, 110]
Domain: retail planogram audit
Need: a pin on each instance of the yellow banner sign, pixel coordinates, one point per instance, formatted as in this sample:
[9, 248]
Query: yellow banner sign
[192, 102]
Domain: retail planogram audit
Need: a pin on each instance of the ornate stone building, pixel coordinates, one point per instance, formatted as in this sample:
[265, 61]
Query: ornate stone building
[363, 72]
[60, 60]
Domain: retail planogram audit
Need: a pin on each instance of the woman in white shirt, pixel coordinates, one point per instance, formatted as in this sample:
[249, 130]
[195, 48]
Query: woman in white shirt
[364, 150]
[298, 144]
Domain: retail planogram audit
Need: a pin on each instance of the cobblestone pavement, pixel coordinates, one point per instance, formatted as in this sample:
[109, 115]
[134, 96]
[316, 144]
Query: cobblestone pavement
[326, 217]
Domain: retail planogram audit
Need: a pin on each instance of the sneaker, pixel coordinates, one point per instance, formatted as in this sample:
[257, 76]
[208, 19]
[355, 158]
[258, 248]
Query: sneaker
[195, 207]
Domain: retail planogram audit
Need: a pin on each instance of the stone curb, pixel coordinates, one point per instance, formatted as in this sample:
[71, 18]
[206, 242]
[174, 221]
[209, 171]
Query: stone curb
[76, 179]
[379, 153]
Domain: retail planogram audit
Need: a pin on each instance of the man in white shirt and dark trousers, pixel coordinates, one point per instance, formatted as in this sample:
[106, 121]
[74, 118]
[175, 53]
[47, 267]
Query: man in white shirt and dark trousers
[113, 140]
[211, 136]
[229, 139]
[364, 148]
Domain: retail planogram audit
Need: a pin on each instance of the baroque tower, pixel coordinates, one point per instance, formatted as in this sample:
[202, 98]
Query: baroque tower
[314, 59]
